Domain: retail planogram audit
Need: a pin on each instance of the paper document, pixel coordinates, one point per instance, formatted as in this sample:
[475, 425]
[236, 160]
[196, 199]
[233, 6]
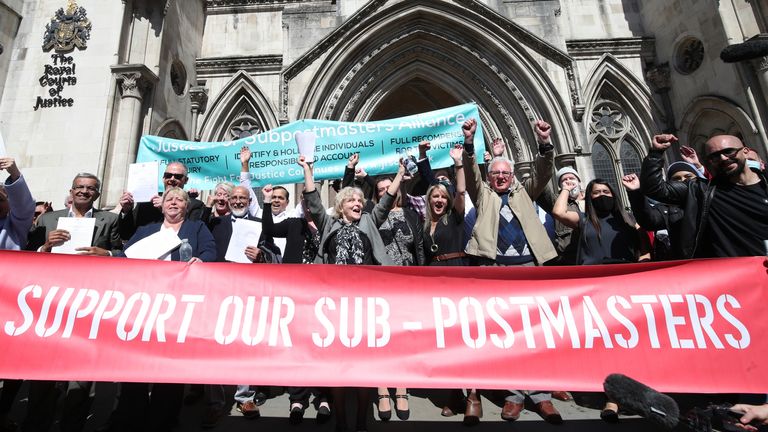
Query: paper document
[154, 246]
[80, 234]
[306, 143]
[244, 233]
[142, 180]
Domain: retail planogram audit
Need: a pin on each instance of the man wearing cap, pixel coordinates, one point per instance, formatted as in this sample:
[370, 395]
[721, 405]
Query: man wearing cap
[665, 219]
[566, 238]
[724, 217]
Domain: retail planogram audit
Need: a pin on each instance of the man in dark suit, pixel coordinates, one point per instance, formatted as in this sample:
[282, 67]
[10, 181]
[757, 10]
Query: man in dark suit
[221, 228]
[43, 237]
[144, 213]
[85, 191]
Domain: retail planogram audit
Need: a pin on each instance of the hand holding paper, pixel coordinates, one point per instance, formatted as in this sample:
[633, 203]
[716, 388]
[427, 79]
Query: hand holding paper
[78, 233]
[306, 143]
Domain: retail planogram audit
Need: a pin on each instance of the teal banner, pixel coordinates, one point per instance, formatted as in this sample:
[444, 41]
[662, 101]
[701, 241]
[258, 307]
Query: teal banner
[381, 144]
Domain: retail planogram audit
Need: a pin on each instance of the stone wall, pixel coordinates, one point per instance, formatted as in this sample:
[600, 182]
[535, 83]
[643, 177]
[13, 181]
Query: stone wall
[52, 144]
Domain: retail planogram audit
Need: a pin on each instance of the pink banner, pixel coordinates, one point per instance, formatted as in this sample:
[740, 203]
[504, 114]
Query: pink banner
[675, 326]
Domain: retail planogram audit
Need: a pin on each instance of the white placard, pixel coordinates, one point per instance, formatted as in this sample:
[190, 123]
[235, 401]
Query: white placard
[154, 246]
[3, 151]
[244, 233]
[306, 143]
[80, 234]
[142, 180]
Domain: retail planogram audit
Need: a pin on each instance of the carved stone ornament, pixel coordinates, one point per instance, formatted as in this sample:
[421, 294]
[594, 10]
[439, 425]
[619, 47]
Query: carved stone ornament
[134, 79]
[68, 29]
[609, 121]
[689, 55]
[198, 95]
[659, 78]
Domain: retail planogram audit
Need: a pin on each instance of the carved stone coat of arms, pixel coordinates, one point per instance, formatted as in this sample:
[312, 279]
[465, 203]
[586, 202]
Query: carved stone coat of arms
[68, 29]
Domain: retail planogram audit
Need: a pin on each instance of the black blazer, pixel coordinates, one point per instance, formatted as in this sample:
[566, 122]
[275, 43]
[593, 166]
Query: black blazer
[221, 228]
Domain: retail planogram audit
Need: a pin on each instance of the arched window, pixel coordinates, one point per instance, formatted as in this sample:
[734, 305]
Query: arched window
[630, 159]
[614, 149]
[603, 164]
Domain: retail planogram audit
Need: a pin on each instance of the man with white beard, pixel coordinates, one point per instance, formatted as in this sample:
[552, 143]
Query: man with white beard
[221, 228]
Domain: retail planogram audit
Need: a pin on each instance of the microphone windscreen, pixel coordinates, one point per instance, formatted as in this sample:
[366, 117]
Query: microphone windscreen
[748, 50]
[642, 400]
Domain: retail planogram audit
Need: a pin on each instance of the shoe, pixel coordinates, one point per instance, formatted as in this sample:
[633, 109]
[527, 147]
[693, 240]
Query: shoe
[323, 413]
[259, 398]
[402, 414]
[609, 416]
[296, 415]
[548, 412]
[561, 395]
[474, 410]
[212, 416]
[447, 412]
[511, 411]
[249, 409]
[384, 415]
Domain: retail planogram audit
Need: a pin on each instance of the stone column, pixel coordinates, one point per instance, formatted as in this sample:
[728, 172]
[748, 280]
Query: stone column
[135, 82]
[658, 77]
[761, 70]
[198, 95]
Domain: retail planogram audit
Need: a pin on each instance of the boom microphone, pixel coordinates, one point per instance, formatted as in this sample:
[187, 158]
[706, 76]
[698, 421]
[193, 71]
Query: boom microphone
[751, 49]
[642, 400]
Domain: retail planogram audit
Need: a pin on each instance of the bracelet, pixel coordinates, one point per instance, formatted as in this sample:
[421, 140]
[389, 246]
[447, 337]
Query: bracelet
[458, 166]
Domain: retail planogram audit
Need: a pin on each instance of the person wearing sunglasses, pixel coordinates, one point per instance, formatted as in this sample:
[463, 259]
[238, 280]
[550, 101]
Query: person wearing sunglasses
[725, 217]
[134, 215]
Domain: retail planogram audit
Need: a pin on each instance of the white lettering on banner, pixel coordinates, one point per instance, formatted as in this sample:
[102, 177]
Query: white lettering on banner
[469, 312]
[241, 320]
[375, 321]
[691, 321]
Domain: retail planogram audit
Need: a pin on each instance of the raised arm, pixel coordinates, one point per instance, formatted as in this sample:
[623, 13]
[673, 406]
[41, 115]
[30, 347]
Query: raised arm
[245, 180]
[542, 168]
[382, 208]
[560, 210]
[473, 179]
[461, 182]
[652, 174]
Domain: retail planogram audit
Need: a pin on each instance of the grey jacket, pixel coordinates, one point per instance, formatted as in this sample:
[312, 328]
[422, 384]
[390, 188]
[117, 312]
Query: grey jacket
[369, 224]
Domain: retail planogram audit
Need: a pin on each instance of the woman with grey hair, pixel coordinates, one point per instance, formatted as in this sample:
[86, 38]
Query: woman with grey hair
[350, 237]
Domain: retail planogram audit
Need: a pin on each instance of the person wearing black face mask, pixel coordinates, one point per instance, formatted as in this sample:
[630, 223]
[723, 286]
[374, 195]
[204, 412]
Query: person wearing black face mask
[608, 233]
[660, 217]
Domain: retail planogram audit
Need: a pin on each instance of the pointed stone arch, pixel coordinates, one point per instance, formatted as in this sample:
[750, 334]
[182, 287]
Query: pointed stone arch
[240, 105]
[611, 81]
[711, 115]
[467, 50]
[171, 128]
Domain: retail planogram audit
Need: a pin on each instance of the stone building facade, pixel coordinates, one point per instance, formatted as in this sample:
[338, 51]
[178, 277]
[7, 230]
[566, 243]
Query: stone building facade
[608, 74]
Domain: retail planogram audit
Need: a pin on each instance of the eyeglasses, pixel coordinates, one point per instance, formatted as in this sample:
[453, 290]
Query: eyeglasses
[85, 188]
[172, 175]
[729, 152]
[500, 173]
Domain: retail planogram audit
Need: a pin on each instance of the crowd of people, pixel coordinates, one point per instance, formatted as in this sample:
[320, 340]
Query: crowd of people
[452, 216]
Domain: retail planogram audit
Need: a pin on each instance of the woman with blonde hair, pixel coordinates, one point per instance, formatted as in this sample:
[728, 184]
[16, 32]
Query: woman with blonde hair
[444, 223]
